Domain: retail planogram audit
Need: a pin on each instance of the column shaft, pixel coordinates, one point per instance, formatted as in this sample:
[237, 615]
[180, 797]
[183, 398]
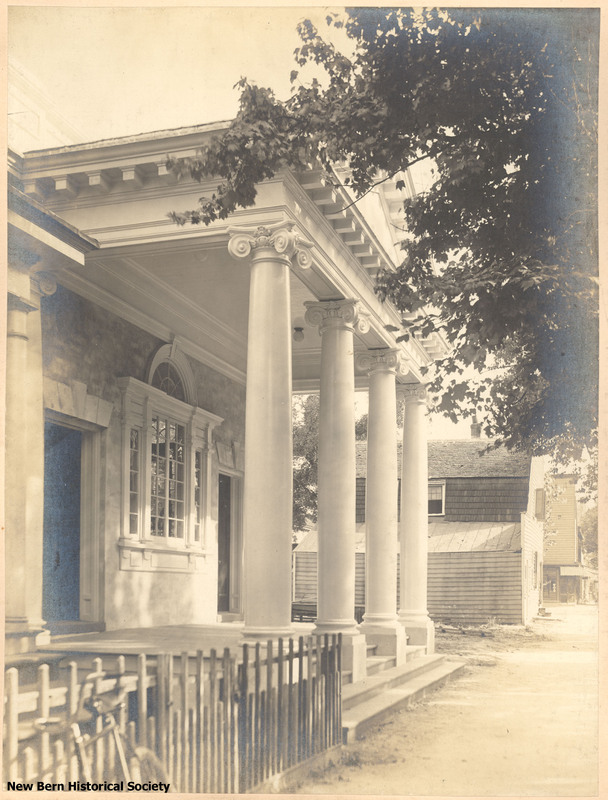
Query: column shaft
[414, 522]
[337, 481]
[267, 497]
[380, 624]
[381, 499]
[24, 485]
[267, 502]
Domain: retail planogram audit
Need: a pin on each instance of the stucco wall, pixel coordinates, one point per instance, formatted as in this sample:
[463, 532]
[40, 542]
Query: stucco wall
[85, 343]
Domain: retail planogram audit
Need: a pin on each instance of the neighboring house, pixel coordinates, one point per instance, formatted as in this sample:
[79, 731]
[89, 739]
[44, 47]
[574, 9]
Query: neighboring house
[565, 578]
[150, 370]
[485, 534]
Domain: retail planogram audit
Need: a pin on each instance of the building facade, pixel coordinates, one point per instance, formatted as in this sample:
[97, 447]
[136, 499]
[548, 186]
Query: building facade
[565, 578]
[150, 371]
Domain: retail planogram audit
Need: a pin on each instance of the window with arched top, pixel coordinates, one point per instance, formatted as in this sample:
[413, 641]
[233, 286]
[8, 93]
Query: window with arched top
[167, 378]
[165, 468]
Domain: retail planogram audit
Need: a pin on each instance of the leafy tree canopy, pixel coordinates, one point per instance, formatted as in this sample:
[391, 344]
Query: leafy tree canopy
[306, 457]
[500, 253]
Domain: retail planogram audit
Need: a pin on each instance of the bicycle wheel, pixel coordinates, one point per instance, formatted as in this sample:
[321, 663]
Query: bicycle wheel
[146, 767]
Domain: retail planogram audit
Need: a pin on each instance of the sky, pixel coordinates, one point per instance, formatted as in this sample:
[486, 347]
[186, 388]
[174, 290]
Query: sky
[116, 71]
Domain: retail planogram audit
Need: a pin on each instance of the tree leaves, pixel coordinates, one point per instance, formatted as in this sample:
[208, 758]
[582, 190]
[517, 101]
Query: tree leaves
[502, 246]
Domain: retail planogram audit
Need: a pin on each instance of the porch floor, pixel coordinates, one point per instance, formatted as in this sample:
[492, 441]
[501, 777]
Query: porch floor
[174, 639]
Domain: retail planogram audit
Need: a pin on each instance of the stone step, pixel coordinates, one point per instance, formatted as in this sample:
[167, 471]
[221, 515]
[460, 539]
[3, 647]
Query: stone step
[360, 717]
[377, 664]
[413, 651]
[372, 685]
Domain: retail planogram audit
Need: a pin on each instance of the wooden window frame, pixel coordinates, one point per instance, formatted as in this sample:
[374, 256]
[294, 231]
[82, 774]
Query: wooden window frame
[434, 485]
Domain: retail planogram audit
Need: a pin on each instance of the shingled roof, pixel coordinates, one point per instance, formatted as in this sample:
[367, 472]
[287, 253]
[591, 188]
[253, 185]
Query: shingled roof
[462, 458]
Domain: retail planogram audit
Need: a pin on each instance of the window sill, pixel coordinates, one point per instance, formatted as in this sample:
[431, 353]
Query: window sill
[136, 556]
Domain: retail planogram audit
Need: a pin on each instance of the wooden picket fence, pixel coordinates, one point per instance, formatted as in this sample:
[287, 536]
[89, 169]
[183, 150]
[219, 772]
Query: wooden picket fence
[218, 723]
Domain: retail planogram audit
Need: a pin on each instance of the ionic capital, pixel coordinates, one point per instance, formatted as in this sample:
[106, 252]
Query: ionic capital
[44, 282]
[336, 314]
[385, 360]
[413, 393]
[279, 237]
[16, 303]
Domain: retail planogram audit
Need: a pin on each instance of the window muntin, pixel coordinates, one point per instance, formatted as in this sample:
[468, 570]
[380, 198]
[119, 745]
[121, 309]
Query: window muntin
[436, 499]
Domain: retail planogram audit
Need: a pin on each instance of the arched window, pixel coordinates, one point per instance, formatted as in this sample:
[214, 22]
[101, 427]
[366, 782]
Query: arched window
[167, 378]
[170, 372]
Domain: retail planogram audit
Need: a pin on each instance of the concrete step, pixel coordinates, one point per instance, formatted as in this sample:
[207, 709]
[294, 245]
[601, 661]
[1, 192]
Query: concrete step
[377, 664]
[413, 651]
[372, 685]
[361, 716]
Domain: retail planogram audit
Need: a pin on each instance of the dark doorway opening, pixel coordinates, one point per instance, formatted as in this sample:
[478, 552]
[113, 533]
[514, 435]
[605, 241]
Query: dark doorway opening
[61, 548]
[224, 529]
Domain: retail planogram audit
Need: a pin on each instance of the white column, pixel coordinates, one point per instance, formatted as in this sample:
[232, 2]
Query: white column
[380, 624]
[267, 499]
[24, 484]
[337, 478]
[413, 612]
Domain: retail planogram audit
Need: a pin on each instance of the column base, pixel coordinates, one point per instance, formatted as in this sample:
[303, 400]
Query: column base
[354, 655]
[20, 639]
[420, 630]
[389, 638]
[262, 635]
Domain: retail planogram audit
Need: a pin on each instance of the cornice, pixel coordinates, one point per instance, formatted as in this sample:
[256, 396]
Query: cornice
[41, 217]
[182, 141]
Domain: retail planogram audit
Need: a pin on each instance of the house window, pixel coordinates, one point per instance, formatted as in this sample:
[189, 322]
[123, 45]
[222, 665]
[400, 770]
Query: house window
[165, 474]
[535, 570]
[436, 499]
[539, 509]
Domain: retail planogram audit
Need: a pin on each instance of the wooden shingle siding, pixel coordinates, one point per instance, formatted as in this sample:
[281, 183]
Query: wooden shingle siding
[475, 587]
[485, 499]
[360, 508]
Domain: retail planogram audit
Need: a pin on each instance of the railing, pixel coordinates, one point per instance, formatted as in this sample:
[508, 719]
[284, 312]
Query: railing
[217, 725]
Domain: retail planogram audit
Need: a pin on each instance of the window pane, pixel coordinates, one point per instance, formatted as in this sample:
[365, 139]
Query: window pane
[133, 480]
[167, 478]
[435, 507]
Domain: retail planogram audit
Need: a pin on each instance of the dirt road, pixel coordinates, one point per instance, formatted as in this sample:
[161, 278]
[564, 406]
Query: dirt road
[521, 721]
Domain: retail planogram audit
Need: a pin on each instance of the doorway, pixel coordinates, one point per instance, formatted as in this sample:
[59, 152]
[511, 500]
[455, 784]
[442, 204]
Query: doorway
[61, 543]
[72, 571]
[229, 546]
[224, 536]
